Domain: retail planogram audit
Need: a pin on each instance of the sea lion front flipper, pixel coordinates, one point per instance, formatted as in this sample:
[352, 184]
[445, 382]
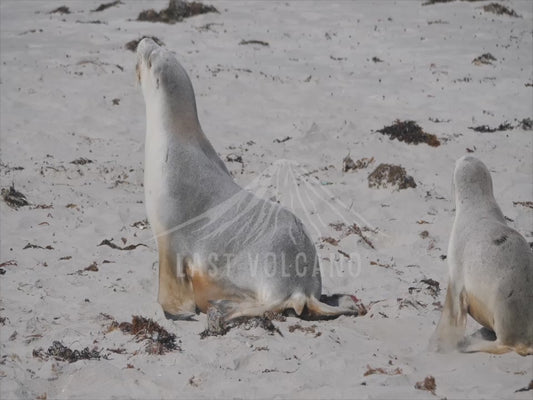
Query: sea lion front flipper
[185, 316]
[229, 309]
[175, 289]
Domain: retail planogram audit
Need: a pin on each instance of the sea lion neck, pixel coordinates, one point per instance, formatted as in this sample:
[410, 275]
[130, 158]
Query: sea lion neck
[173, 117]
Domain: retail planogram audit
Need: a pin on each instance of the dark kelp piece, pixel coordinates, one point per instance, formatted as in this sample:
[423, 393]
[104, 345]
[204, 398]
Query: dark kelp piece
[409, 132]
[176, 11]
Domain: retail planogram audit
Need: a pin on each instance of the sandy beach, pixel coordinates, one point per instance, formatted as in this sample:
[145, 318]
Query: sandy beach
[285, 92]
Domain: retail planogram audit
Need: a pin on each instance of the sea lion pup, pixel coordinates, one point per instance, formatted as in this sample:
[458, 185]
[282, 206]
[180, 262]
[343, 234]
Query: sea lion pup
[490, 271]
[218, 244]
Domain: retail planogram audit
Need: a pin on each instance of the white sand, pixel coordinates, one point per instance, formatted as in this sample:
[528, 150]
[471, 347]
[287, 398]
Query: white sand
[57, 87]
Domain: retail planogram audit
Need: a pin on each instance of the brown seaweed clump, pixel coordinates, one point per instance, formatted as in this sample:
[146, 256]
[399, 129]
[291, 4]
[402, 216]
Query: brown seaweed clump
[14, 198]
[526, 124]
[499, 9]
[349, 164]
[484, 59]
[62, 353]
[506, 126]
[431, 2]
[176, 11]
[427, 384]
[105, 6]
[217, 326]
[60, 10]
[160, 341]
[387, 175]
[409, 132]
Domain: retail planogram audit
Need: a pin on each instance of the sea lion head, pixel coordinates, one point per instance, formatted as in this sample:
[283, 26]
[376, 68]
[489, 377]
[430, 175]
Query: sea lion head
[165, 84]
[471, 180]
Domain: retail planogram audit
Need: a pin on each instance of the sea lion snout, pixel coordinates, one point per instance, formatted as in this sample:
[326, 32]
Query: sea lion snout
[148, 54]
[145, 48]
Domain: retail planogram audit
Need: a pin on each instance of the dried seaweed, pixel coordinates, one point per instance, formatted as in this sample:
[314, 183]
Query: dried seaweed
[105, 6]
[330, 240]
[484, 59]
[349, 230]
[387, 175]
[528, 204]
[9, 169]
[93, 267]
[431, 2]
[499, 9]
[349, 164]
[234, 158]
[143, 224]
[35, 246]
[343, 253]
[526, 124]
[9, 263]
[373, 371]
[62, 353]
[176, 11]
[506, 126]
[427, 384]
[259, 42]
[409, 132]
[160, 341]
[94, 21]
[14, 198]
[354, 228]
[60, 10]
[307, 329]
[81, 161]
[217, 326]
[433, 287]
[107, 242]
[377, 263]
[286, 138]
[338, 226]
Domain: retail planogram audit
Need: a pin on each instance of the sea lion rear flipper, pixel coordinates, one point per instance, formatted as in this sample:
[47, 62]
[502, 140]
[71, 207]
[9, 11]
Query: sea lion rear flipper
[486, 346]
[452, 324]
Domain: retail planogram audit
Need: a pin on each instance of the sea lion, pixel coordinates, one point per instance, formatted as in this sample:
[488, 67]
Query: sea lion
[490, 271]
[218, 244]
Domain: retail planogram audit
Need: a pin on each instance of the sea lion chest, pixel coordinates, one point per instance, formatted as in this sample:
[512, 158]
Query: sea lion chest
[182, 181]
[166, 178]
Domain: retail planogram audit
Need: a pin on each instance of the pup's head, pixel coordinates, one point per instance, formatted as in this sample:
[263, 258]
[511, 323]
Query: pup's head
[471, 180]
[163, 80]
